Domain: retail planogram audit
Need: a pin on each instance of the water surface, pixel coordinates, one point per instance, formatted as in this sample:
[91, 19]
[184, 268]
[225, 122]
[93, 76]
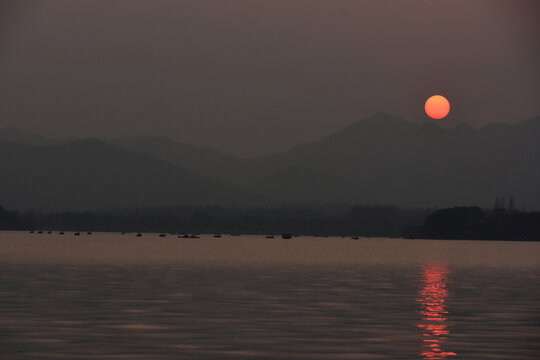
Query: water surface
[110, 296]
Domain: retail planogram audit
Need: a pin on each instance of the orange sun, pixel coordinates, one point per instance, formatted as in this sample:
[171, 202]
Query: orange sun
[437, 107]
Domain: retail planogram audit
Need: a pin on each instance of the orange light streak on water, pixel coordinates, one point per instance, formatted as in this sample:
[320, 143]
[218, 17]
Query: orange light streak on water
[433, 326]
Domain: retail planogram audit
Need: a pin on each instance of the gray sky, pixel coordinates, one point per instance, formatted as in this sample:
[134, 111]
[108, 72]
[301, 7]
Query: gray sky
[255, 76]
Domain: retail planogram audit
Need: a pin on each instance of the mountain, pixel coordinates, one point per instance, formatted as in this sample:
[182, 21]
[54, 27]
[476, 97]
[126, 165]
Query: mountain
[299, 184]
[204, 161]
[385, 159]
[92, 174]
[379, 160]
[382, 159]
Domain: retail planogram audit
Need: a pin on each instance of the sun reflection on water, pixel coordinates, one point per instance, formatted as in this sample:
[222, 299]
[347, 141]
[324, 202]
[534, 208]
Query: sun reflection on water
[432, 299]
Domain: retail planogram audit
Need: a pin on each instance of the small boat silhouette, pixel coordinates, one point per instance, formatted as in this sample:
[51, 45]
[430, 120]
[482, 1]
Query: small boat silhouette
[355, 238]
[61, 233]
[89, 233]
[77, 234]
[269, 236]
[286, 235]
[49, 232]
[40, 232]
[217, 235]
[193, 236]
[138, 235]
[162, 235]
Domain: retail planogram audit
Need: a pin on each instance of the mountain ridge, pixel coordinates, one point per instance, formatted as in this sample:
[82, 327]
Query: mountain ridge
[93, 174]
[382, 159]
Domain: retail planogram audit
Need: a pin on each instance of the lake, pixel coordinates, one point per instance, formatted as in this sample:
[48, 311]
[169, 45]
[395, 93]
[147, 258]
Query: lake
[112, 296]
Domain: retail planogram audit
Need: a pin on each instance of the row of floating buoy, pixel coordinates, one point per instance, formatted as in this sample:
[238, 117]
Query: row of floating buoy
[77, 233]
[181, 236]
[190, 236]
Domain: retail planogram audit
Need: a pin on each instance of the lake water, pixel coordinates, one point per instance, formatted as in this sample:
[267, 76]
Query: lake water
[112, 296]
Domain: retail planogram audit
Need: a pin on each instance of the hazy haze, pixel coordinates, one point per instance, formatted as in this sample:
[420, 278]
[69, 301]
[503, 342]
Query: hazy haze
[256, 77]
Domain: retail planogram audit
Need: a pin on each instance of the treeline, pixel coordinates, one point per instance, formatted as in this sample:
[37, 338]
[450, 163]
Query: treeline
[301, 220]
[474, 223]
[477, 224]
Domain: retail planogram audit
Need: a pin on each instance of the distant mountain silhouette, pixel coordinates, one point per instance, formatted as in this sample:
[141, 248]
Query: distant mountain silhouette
[204, 161]
[92, 174]
[384, 159]
[304, 185]
[380, 160]
[387, 160]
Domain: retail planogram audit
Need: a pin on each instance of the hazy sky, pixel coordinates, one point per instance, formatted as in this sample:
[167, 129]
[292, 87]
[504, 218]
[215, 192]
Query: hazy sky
[256, 76]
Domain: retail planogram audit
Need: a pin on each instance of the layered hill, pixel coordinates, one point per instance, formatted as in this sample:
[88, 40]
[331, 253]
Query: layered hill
[92, 174]
[383, 159]
[379, 160]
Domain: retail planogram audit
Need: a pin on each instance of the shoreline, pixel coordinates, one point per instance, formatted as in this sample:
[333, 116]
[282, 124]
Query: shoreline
[117, 249]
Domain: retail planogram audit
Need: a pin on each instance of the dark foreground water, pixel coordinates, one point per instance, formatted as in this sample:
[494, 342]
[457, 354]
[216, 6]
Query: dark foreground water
[283, 308]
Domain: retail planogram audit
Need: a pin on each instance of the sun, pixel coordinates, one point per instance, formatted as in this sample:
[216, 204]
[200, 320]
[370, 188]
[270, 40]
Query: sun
[437, 107]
